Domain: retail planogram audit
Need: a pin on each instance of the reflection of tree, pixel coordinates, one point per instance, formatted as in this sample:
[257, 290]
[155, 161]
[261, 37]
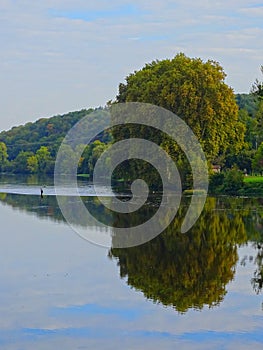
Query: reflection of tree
[183, 270]
[47, 208]
[186, 270]
[42, 208]
[253, 220]
[257, 280]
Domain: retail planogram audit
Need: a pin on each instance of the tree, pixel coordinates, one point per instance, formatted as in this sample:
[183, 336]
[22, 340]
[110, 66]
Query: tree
[91, 154]
[98, 148]
[32, 164]
[257, 162]
[259, 121]
[3, 155]
[257, 87]
[19, 165]
[234, 181]
[251, 123]
[243, 160]
[43, 158]
[196, 92]
[67, 160]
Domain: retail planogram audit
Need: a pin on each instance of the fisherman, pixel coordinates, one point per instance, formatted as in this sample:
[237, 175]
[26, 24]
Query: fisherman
[41, 192]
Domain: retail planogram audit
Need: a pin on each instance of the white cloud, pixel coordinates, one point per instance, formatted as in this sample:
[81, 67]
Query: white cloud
[252, 11]
[52, 64]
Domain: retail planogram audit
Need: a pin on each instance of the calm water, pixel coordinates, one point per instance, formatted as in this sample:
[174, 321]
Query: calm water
[200, 290]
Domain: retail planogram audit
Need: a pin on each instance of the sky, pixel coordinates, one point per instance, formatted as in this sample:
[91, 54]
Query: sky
[59, 56]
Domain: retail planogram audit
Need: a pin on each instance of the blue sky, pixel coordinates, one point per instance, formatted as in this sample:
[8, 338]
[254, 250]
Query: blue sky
[58, 56]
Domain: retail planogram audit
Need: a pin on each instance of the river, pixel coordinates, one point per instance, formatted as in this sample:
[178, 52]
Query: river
[199, 290]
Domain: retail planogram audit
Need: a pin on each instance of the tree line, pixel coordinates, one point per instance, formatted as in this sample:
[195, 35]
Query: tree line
[32, 148]
[228, 126]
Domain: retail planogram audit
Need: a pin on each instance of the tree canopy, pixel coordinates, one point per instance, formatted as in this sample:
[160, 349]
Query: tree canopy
[196, 92]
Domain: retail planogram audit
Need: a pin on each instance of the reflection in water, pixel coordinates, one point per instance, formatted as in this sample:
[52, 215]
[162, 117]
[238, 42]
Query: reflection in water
[181, 270]
[47, 207]
[257, 280]
[186, 270]
[192, 270]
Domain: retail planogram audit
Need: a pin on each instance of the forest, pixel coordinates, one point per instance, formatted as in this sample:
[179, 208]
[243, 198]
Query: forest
[229, 127]
[32, 148]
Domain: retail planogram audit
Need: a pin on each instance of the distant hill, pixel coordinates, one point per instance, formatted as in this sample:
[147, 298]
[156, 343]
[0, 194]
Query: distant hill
[32, 148]
[44, 132]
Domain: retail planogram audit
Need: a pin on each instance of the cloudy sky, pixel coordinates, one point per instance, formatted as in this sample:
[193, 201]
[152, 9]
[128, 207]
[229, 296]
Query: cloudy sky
[64, 55]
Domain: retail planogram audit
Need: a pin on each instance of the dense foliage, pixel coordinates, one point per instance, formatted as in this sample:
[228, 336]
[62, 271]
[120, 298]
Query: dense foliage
[32, 148]
[250, 156]
[196, 92]
[192, 270]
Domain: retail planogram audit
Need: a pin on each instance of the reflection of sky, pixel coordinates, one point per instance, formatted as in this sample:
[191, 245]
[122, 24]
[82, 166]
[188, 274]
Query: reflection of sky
[59, 291]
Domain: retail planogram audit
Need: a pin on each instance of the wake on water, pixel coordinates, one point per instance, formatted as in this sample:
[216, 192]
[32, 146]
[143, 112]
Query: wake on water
[85, 191]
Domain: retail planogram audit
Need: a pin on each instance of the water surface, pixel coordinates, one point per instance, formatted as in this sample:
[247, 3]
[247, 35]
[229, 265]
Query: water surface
[200, 290]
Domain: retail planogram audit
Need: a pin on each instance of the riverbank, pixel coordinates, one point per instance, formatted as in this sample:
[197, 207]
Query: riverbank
[234, 183]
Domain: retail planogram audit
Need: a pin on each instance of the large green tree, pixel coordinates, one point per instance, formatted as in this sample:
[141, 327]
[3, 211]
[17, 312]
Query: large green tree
[32, 164]
[44, 160]
[194, 90]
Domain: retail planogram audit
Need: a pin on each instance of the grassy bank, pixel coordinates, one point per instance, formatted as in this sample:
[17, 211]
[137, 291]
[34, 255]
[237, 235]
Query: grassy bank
[253, 179]
[253, 186]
